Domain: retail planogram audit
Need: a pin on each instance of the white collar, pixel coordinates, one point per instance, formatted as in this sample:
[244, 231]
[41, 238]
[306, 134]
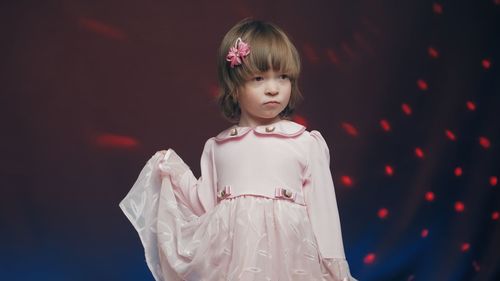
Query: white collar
[284, 128]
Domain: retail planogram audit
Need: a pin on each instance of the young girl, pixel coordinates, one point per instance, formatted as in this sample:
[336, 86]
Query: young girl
[264, 207]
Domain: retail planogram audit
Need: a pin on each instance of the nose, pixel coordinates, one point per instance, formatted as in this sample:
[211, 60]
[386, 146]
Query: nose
[272, 88]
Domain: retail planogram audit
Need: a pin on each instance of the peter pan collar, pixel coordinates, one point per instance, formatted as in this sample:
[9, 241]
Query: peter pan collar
[283, 128]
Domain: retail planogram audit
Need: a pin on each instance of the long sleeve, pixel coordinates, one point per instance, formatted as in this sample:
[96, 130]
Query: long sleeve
[319, 193]
[198, 194]
[321, 202]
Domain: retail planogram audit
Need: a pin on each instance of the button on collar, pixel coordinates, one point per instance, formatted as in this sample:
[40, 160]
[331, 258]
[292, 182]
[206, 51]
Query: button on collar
[270, 129]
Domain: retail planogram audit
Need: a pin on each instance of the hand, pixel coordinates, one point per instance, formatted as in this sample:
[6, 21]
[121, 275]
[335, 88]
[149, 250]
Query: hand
[171, 165]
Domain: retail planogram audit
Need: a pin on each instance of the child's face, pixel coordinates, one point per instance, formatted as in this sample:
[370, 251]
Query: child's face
[264, 95]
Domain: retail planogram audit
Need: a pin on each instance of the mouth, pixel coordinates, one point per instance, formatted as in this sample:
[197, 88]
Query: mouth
[272, 102]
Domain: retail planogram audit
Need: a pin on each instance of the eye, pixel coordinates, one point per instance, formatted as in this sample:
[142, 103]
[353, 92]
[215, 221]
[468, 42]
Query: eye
[258, 78]
[284, 76]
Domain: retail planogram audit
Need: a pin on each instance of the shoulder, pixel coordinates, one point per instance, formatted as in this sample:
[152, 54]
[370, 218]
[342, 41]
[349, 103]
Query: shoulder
[316, 142]
[316, 136]
[283, 128]
[209, 144]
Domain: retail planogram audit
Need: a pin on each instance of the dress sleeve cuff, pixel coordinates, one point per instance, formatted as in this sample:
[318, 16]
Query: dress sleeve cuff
[171, 165]
[336, 268]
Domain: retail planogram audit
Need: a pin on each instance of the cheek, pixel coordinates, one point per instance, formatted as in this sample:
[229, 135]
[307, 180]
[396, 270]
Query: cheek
[248, 99]
[288, 89]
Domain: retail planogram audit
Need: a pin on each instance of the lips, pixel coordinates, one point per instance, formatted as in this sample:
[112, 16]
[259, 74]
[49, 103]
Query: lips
[272, 102]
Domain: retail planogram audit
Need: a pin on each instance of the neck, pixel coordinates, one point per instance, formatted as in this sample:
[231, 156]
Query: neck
[254, 122]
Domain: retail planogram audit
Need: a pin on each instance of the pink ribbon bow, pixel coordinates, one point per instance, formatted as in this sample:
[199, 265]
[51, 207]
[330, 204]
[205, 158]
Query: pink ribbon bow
[238, 52]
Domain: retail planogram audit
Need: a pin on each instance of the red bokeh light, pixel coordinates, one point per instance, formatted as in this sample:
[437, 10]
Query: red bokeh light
[419, 152]
[429, 196]
[437, 8]
[300, 119]
[346, 180]
[484, 142]
[385, 125]
[424, 233]
[406, 108]
[493, 180]
[458, 171]
[471, 105]
[383, 213]
[495, 215]
[450, 135]
[310, 54]
[486, 63]
[369, 258]
[332, 56]
[214, 91]
[465, 247]
[422, 85]
[459, 207]
[349, 129]
[102, 28]
[116, 141]
[433, 53]
[389, 170]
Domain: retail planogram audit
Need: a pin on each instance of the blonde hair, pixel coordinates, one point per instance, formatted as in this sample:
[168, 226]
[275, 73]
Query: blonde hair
[269, 47]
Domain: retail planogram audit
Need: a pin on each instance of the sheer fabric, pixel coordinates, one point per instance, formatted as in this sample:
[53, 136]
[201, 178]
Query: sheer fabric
[188, 234]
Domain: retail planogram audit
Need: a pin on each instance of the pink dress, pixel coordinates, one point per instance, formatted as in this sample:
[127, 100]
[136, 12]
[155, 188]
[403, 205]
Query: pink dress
[264, 208]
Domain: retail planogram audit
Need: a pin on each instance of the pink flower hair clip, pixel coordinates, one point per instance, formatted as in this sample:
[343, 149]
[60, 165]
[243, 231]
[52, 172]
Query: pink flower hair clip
[238, 52]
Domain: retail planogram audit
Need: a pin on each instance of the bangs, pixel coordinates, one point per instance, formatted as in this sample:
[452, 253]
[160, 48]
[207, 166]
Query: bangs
[270, 49]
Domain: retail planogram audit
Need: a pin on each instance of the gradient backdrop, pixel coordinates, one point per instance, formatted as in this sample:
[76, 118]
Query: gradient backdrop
[406, 93]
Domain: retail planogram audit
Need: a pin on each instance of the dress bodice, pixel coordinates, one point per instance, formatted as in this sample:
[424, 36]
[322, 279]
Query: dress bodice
[261, 160]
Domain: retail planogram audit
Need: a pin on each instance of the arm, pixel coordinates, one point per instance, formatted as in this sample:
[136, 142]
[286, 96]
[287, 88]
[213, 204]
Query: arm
[198, 194]
[319, 193]
[321, 202]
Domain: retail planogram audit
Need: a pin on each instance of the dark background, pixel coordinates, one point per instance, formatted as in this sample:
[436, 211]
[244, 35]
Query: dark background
[91, 89]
